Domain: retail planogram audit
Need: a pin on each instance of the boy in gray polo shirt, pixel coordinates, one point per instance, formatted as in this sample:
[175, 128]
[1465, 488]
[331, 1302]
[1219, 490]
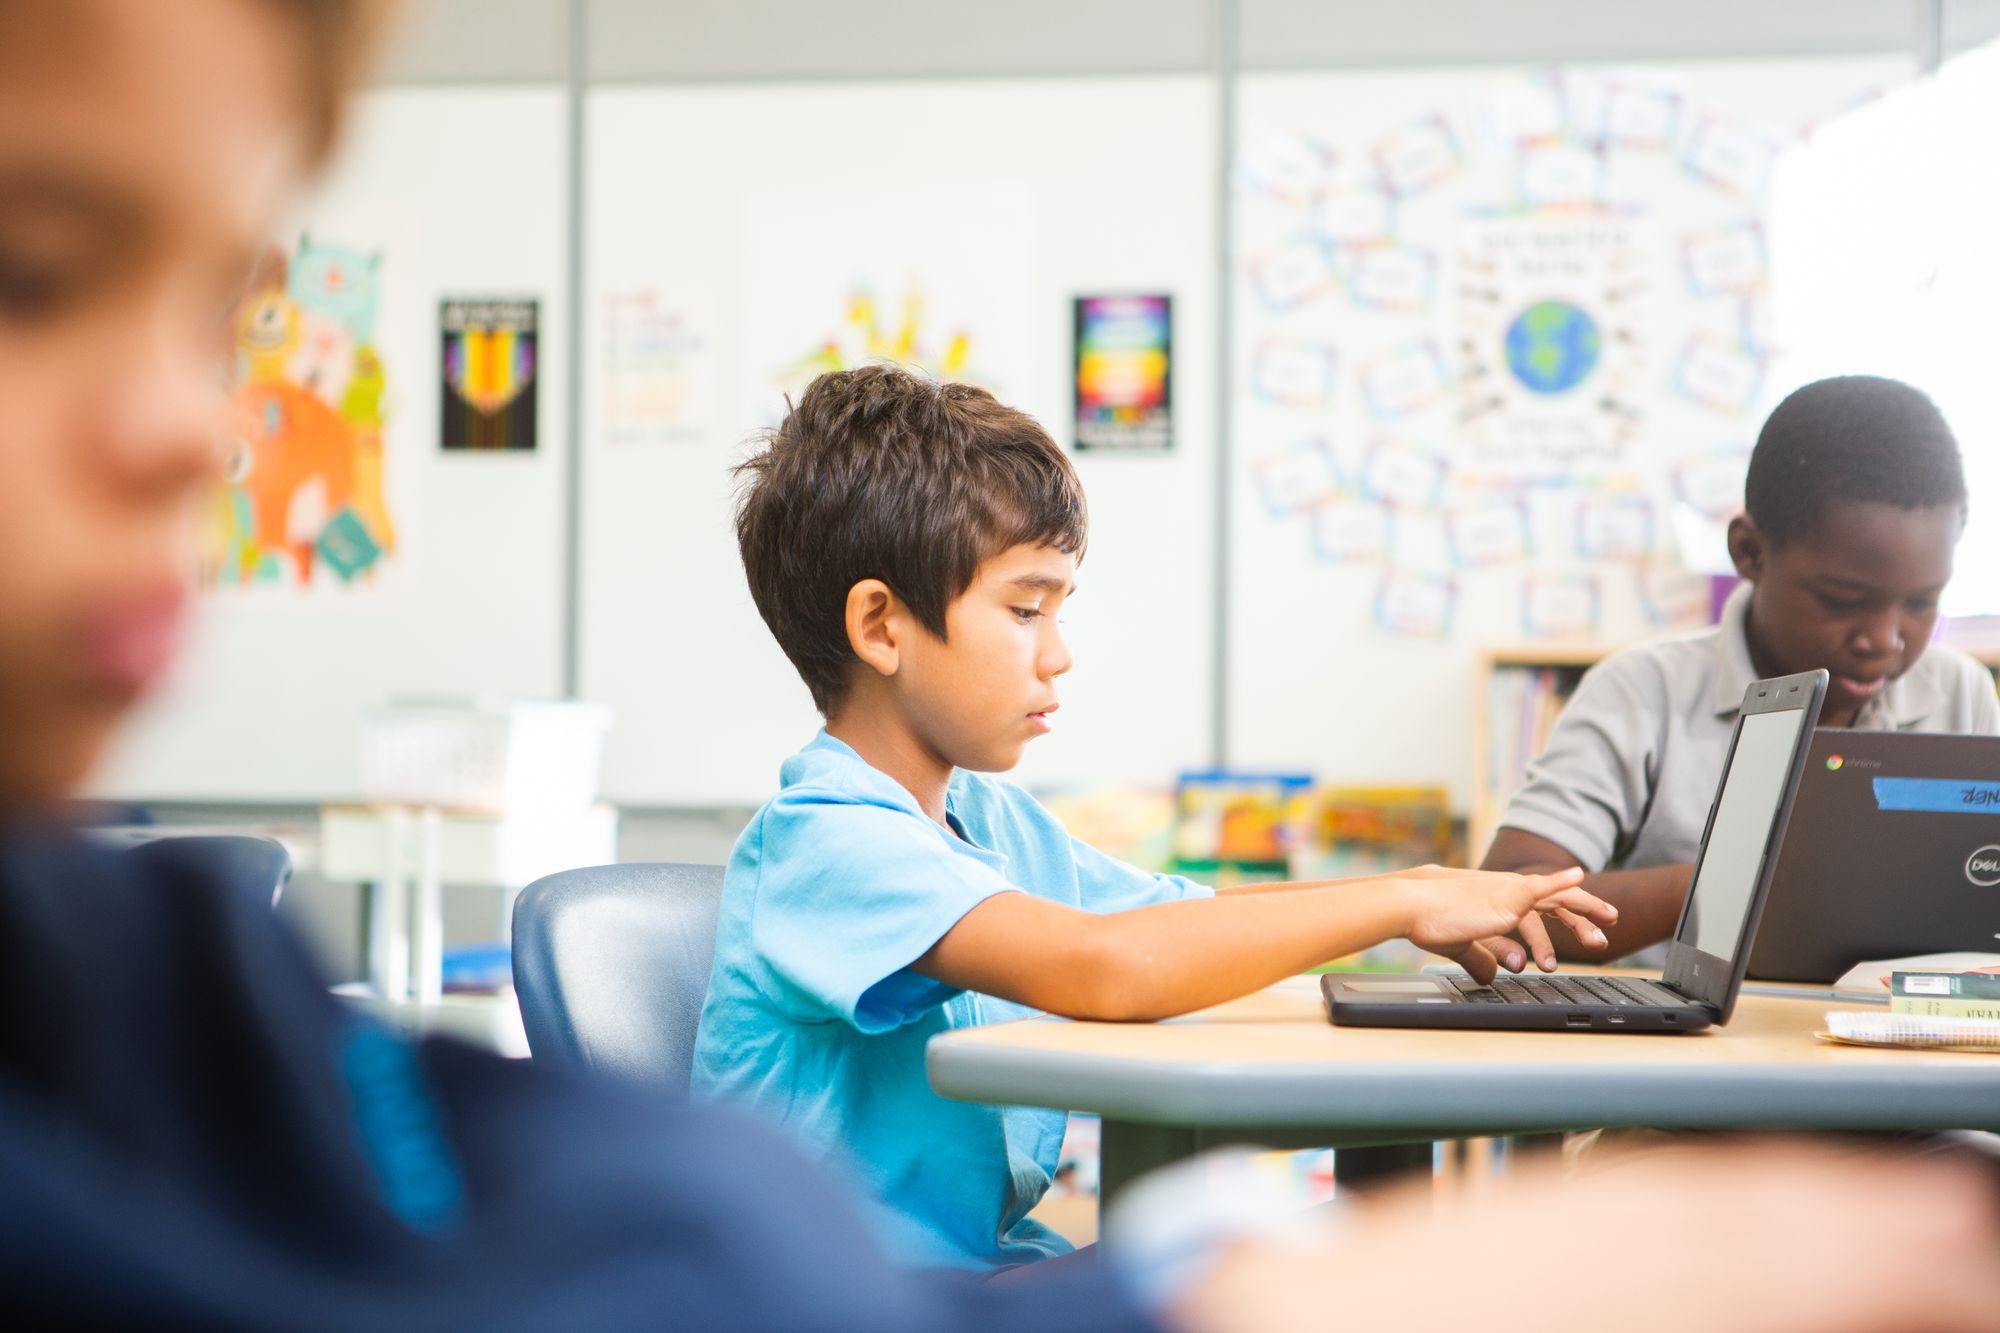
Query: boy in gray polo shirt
[1855, 500]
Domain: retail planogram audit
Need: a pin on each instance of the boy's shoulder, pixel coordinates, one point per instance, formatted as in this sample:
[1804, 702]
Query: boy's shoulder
[1658, 670]
[1946, 690]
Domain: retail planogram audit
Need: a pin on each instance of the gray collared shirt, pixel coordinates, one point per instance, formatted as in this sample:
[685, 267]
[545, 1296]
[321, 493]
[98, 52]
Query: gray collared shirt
[1632, 763]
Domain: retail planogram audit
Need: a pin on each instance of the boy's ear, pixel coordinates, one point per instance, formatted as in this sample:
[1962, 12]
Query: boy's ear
[871, 631]
[1747, 548]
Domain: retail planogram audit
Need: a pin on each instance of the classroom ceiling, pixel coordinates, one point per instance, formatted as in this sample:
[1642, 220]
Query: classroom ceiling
[489, 41]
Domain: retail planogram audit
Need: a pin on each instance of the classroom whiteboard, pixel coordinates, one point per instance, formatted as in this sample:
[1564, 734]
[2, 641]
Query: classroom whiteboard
[1377, 540]
[462, 193]
[730, 231]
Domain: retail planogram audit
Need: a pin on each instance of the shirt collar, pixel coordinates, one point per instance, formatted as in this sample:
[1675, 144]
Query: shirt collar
[1905, 701]
[825, 749]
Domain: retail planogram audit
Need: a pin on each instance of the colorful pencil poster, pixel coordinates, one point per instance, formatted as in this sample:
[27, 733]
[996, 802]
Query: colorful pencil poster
[1124, 373]
[489, 375]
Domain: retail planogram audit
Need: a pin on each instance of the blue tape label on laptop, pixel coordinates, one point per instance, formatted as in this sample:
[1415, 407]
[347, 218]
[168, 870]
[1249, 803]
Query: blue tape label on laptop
[1938, 795]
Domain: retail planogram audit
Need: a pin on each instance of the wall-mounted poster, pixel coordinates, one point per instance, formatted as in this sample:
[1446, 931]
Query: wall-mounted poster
[304, 501]
[1124, 378]
[489, 374]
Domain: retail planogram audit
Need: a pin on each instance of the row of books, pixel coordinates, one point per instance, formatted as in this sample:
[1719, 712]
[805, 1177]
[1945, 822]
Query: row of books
[1522, 704]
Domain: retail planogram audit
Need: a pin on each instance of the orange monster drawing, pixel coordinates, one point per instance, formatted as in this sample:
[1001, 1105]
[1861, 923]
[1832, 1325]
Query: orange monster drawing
[304, 486]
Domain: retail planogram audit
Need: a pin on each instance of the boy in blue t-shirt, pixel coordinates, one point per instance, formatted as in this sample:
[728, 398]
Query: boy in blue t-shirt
[910, 544]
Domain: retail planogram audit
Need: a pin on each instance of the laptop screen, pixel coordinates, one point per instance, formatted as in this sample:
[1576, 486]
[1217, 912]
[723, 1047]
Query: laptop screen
[1725, 883]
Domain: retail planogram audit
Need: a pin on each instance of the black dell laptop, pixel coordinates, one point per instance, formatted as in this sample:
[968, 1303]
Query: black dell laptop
[1712, 944]
[1893, 850]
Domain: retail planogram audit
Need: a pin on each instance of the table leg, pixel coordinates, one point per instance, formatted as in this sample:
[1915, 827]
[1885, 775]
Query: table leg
[1128, 1151]
[427, 911]
[389, 917]
[1368, 1168]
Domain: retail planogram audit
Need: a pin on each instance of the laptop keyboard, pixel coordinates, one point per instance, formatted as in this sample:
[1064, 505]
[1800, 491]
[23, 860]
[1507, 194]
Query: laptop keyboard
[1566, 990]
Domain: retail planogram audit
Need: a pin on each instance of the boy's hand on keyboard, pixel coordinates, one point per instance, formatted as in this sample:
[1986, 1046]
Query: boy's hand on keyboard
[1452, 912]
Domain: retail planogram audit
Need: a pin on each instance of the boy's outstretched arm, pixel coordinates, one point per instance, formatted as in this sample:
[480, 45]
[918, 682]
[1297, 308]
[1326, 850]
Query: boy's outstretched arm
[1155, 962]
[1648, 901]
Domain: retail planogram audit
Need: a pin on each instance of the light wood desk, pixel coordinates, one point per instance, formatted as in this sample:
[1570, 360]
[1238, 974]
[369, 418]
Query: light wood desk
[1269, 1069]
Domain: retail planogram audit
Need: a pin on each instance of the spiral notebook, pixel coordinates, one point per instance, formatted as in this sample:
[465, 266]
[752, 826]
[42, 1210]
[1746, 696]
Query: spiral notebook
[1912, 1031]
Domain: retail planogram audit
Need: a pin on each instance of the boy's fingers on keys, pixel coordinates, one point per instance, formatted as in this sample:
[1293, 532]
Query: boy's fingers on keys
[1556, 880]
[1507, 952]
[1586, 932]
[1585, 904]
[1476, 960]
[1536, 936]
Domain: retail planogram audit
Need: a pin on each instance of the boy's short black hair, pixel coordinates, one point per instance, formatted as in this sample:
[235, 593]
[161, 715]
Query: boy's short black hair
[885, 474]
[1853, 437]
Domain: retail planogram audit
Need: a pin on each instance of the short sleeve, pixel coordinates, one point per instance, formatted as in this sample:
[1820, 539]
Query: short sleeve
[1107, 884]
[848, 895]
[1591, 787]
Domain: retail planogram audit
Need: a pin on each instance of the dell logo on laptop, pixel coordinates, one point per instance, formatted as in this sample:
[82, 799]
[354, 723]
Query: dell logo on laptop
[1983, 867]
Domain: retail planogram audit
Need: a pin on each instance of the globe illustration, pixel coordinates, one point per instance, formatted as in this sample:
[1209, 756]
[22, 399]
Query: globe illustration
[1552, 346]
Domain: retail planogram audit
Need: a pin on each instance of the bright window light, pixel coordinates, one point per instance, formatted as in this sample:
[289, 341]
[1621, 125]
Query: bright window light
[1885, 259]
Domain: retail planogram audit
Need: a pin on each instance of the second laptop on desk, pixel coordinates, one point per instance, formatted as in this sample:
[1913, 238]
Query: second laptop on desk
[1893, 850]
[1710, 949]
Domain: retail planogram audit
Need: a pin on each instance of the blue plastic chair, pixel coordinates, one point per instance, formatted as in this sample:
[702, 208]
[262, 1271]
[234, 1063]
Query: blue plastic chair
[611, 967]
[257, 868]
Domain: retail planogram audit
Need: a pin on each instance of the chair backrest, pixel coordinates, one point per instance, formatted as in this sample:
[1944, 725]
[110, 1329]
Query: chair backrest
[257, 868]
[611, 966]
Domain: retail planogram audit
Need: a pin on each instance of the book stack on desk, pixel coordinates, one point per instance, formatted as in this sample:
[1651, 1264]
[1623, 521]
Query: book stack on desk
[1945, 994]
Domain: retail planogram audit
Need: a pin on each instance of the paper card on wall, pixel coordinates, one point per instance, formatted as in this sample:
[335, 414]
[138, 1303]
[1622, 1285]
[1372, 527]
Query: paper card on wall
[1711, 484]
[1292, 274]
[1417, 606]
[1674, 596]
[1632, 117]
[1393, 279]
[1756, 321]
[657, 367]
[1420, 157]
[1529, 110]
[1559, 176]
[1724, 260]
[1729, 156]
[1614, 528]
[1292, 373]
[1284, 165]
[1719, 376]
[1405, 380]
[1297, 477]
[1559, 606]
[1484, 535]
[1404, 476]
[1354, 217]
[1352, 534]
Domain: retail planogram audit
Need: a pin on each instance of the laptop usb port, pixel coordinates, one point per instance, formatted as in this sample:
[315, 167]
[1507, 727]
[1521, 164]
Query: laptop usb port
[1579, 1020]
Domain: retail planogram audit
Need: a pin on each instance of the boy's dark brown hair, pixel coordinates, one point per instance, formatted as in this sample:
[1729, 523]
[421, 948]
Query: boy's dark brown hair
[884, 474]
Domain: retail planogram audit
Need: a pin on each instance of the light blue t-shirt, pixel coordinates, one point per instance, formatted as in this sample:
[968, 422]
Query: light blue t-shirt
[815, 1020]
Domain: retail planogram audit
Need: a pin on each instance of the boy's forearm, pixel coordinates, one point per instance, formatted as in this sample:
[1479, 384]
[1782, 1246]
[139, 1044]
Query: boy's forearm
[1173, 958]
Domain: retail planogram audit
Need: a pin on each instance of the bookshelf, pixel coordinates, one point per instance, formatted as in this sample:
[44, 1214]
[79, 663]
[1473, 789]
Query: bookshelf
[1521, 689]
